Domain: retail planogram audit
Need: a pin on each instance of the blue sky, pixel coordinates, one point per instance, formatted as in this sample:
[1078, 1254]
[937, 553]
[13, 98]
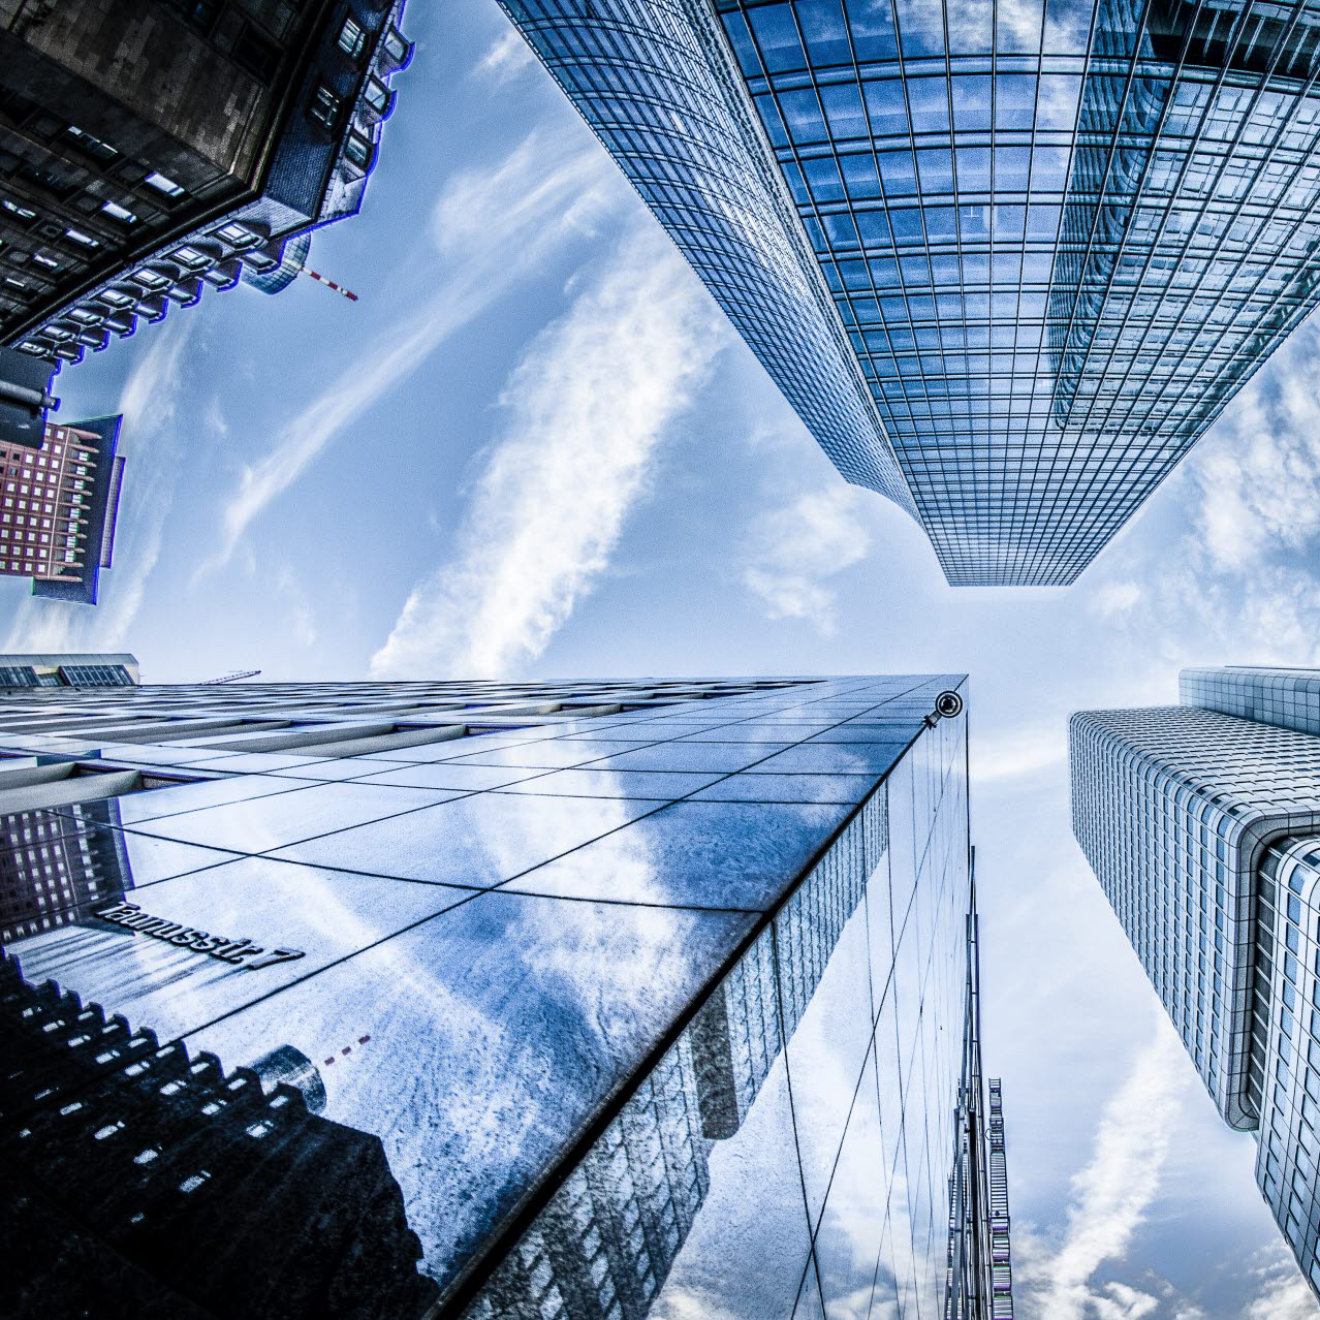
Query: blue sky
[535, 448]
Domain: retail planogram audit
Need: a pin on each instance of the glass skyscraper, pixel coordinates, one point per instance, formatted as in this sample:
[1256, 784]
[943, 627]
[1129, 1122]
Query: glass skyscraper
[1202, 823]
[1008, 261]
[599, 999]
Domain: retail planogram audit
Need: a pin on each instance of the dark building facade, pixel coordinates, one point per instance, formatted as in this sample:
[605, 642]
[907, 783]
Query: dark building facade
[602, 999]
[150, 150]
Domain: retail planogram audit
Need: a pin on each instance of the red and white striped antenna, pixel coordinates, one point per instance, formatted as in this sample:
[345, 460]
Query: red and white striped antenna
[330, 284]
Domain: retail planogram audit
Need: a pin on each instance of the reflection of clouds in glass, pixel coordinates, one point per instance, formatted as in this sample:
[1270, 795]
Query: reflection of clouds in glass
[546, 827]
[1068, 26]
[1056, 106]
[744, 1256]
[173, 990]
[580, 939]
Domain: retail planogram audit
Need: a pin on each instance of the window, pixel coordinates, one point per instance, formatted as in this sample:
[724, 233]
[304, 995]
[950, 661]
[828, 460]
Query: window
[352, 39]
[396, 46]
[324, 108]
[44, 259]
[120, 213]
[190, 256]
[162, 184]
[377, 96]
[358, 150]
[83, 240]
[150, 279]
[92, 145]
[236, 235]
[22, 212]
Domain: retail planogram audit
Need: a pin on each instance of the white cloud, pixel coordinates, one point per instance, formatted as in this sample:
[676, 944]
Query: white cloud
[1115, 598]
[1020, 752]
[1110, 1197]
[151, 441]
[588, 406]
[790, 552]
[506, 57]
[1119, 1302]
[492, 228]
[1258, 475]
[1284, 1294]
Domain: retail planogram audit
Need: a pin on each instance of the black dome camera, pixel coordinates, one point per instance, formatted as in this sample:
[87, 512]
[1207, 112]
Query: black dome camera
[948, 704]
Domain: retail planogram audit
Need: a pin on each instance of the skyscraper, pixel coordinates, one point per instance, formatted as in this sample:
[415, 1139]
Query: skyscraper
[1202, 823]
[60, 505]
[1007, 261]
[600, 999]
[148, 151]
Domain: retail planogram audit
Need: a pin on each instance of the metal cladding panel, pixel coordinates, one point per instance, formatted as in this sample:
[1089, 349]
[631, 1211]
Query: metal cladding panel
[1289, 698]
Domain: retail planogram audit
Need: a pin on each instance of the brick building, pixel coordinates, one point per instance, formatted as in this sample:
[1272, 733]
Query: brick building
[58, 508]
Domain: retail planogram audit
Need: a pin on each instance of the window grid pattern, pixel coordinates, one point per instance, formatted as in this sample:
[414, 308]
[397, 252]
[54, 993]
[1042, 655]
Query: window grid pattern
[52, 866]
[1170, 805]
[1289, 698]
[96, 676]
[1055, 271]
[653, 80]
[1288, 1157]
[897, 1122]
[1203, 825]
[655, 1205]
[1055, 259]
[46, 504]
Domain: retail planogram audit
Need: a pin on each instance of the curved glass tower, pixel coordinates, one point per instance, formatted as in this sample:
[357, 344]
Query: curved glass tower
[1007, 261]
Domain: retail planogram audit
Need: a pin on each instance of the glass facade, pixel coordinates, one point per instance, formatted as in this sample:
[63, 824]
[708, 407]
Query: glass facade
[1057, 236]
[596, 999]
[1203, 828]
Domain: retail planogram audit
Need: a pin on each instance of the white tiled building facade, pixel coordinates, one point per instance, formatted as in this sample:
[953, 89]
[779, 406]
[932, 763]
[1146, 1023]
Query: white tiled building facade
[1202, 823]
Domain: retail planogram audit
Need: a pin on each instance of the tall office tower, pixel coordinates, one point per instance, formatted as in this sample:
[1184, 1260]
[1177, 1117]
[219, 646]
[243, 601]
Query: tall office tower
[1202, 823]
[1007, 261]
[152, 149]
[979, 1268]
[61, 502]
[600, 999]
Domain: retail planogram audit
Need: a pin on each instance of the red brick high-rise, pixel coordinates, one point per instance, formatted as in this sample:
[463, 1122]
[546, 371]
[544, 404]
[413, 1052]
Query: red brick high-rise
[58, 507]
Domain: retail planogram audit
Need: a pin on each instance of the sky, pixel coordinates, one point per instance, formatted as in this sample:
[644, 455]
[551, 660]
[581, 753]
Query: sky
[534, 448]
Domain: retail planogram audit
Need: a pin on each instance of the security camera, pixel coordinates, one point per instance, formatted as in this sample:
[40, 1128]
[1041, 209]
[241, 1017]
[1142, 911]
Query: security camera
[948, 704]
